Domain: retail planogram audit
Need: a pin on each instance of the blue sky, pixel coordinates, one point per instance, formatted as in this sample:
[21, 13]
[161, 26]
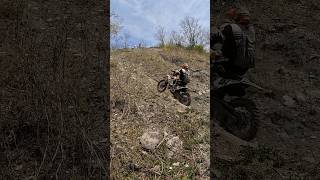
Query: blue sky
[140, 18]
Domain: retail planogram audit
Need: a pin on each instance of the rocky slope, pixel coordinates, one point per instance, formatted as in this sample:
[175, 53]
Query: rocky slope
[153, 135]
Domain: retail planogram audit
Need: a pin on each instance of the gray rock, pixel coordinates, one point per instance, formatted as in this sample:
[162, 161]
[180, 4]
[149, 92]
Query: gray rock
[174, 145]
[182, 108]
[176, 164]
[313, 137]
[150, 115]
[309, 159]
[288, 101]
[149, 140]
[300, 97]
[156, 169]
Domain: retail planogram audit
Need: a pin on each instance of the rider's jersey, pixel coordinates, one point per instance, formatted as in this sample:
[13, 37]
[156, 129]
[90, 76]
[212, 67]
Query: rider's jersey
[184, 76]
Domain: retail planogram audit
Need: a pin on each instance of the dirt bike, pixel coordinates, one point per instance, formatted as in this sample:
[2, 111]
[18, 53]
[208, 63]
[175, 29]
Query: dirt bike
[238, 116]
[179, 92]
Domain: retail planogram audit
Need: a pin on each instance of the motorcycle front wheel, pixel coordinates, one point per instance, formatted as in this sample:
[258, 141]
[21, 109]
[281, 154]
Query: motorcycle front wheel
[162, 85]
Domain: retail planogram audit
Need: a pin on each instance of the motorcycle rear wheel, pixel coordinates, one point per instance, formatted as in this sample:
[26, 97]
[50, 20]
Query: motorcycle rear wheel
[244, 123]
[185, 98]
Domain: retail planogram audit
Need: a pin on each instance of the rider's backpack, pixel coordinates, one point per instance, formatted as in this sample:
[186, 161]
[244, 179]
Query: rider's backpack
[245, 44]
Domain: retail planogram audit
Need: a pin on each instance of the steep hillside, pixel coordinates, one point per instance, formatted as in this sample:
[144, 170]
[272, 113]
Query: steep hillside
[177, 136]
[288, 65]
[52, 80]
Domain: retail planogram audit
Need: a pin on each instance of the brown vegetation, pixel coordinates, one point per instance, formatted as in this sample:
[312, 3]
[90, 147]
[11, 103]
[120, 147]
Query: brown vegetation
[53, 58]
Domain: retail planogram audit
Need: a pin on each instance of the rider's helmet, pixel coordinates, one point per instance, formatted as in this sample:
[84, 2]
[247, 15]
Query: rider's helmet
[243, 16]
[230, 15]
[185, 66]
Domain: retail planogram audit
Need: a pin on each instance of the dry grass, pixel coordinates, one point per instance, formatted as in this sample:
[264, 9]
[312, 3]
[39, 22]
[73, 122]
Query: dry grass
[52, 91]
[137, 106]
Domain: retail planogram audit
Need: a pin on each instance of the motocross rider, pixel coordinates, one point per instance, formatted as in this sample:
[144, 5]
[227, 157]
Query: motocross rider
[181, 76]
[233, 45]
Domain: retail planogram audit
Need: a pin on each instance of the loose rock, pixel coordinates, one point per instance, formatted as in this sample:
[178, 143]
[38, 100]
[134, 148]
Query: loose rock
[182, 108]
[300, 97]
[176, 164]
[288, 101]
[149, 140]
[174, 145]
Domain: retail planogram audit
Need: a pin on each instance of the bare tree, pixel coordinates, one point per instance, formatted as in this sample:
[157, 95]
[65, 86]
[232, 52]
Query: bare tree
[142, 44]
[115, 25]
[126, 37]
[160, 35]
[191, 30]
[117, 42]
[204, 38]
[176, 38]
